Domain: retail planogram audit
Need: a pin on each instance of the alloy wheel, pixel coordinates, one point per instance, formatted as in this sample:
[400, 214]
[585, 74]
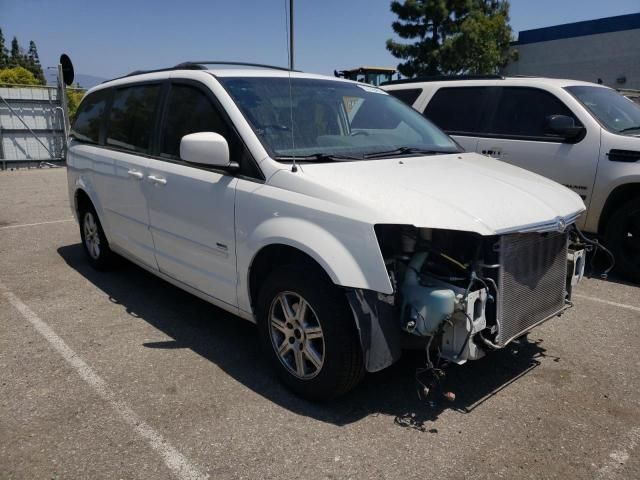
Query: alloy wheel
[296, 335]
[91, 235]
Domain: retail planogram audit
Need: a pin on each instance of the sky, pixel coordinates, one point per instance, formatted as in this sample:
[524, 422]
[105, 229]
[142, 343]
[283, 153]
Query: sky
[114, 37]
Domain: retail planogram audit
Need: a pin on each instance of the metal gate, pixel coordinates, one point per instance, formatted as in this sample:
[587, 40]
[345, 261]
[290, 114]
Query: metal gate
[31, 126]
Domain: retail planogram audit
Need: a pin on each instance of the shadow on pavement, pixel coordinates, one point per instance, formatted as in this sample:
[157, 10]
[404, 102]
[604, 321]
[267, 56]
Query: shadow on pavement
[232, 345]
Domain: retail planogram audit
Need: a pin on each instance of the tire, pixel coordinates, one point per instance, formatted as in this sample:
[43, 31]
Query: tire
[622, 237]
[94, 241]
[326, 337]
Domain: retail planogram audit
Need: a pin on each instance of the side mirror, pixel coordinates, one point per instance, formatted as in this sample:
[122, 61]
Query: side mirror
[205, 148]
[563, 126]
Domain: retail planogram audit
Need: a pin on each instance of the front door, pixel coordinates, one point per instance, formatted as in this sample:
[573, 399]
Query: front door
[191, 208]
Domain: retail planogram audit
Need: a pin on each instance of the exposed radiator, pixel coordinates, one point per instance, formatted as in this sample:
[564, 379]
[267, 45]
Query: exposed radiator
[531, 281]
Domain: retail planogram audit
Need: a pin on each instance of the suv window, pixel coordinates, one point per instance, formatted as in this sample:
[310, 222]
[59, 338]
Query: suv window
[86, 127]
[189, 110]
[408, 96]
[459, 109]
[131, 117]
[523, 112]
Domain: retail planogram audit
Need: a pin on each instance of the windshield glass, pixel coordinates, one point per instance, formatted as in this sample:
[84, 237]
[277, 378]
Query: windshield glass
[616, 112]
[326, 120]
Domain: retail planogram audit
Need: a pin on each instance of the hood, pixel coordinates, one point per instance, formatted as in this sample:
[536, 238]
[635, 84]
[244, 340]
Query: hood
[465, 191]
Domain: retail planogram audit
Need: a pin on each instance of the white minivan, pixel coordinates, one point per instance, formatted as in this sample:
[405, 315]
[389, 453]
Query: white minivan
[328, 212]
[583, 135]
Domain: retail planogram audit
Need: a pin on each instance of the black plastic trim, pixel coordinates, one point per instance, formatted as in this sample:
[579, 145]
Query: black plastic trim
[626, 156]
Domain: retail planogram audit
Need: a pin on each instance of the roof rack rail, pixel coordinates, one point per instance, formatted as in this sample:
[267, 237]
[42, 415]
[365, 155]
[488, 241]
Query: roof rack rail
[200, 66]
[442, 78]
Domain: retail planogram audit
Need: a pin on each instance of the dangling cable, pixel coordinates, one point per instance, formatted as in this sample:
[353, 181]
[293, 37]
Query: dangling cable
[595, 244]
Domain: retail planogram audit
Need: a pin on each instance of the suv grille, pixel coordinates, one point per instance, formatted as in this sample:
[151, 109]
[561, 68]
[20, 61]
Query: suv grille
[531, 280]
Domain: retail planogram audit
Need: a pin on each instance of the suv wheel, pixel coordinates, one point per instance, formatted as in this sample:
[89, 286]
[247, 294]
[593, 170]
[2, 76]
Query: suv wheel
[308, 331]
[94, 241]
[622, 237]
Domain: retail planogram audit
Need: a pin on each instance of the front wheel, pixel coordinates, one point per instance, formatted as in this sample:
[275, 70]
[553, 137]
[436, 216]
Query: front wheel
[622, 237]
[308, 331]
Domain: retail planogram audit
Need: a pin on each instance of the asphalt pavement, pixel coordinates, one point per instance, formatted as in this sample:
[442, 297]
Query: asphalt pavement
[121, 375]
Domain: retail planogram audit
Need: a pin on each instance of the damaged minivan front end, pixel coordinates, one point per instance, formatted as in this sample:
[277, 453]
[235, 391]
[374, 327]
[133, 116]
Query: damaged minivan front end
[461, 294]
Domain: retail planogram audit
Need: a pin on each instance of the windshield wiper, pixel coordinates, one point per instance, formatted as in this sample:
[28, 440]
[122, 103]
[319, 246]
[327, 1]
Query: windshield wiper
[404, 151]
[319, 157]
[628, 129]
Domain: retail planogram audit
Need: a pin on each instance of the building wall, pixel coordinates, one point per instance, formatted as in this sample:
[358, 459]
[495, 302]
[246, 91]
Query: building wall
[607, 56]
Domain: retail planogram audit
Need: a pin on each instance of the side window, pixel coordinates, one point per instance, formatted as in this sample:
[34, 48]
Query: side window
[132, 116]
[408, 96]
[189, 110]
[86, 127]
[459, 109]
[523, 112]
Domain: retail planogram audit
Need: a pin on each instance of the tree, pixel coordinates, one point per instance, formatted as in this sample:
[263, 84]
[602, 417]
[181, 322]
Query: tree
[74, 96]
[17, 76]
[17, 59]
[33, 63]
[4, 53]
[452, 36]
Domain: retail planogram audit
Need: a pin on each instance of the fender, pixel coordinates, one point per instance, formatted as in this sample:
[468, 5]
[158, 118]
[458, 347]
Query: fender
[354, 262]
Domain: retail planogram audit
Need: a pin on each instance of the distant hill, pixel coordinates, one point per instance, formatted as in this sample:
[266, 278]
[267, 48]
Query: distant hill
[85, 81]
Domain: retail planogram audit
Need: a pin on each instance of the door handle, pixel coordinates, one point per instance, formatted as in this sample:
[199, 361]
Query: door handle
[135, 174]
[157, 180]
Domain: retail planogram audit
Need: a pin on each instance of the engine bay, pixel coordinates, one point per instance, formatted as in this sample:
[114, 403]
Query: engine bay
[466, 293]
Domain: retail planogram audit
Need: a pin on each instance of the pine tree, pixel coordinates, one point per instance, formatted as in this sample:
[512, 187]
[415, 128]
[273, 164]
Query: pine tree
[33, 63]
[17, 59]
[4, 53]
[452, 36]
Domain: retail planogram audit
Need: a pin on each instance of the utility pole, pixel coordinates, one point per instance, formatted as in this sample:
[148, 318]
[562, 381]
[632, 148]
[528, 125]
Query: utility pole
[291, 34]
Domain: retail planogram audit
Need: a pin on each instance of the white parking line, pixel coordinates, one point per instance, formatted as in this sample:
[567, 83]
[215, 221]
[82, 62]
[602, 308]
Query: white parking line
[36, 224]
[608, 302]
[180, 465]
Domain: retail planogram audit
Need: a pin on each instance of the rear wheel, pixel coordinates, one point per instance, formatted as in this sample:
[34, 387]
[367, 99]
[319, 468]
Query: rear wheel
[308, 332]
[94, 240]
[622, 237]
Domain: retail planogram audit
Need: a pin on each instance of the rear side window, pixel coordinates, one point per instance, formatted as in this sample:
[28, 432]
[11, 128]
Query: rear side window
[86, 127]
[189, 110]
[132, 116]
[408, 96]
[459, 109]
[523, 112]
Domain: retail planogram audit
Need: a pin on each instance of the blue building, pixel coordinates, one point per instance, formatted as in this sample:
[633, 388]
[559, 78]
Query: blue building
[606, 50]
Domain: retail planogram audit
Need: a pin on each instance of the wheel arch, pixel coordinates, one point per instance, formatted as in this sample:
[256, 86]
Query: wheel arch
[80, 199]
[618, 197]
[272, 256]
[83, 195]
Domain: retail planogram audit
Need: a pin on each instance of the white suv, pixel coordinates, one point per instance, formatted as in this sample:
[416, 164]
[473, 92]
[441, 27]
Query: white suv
[328, 212]
[583, 135]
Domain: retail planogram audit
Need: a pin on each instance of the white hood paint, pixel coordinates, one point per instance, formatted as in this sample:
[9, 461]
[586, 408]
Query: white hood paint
[464, 191]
